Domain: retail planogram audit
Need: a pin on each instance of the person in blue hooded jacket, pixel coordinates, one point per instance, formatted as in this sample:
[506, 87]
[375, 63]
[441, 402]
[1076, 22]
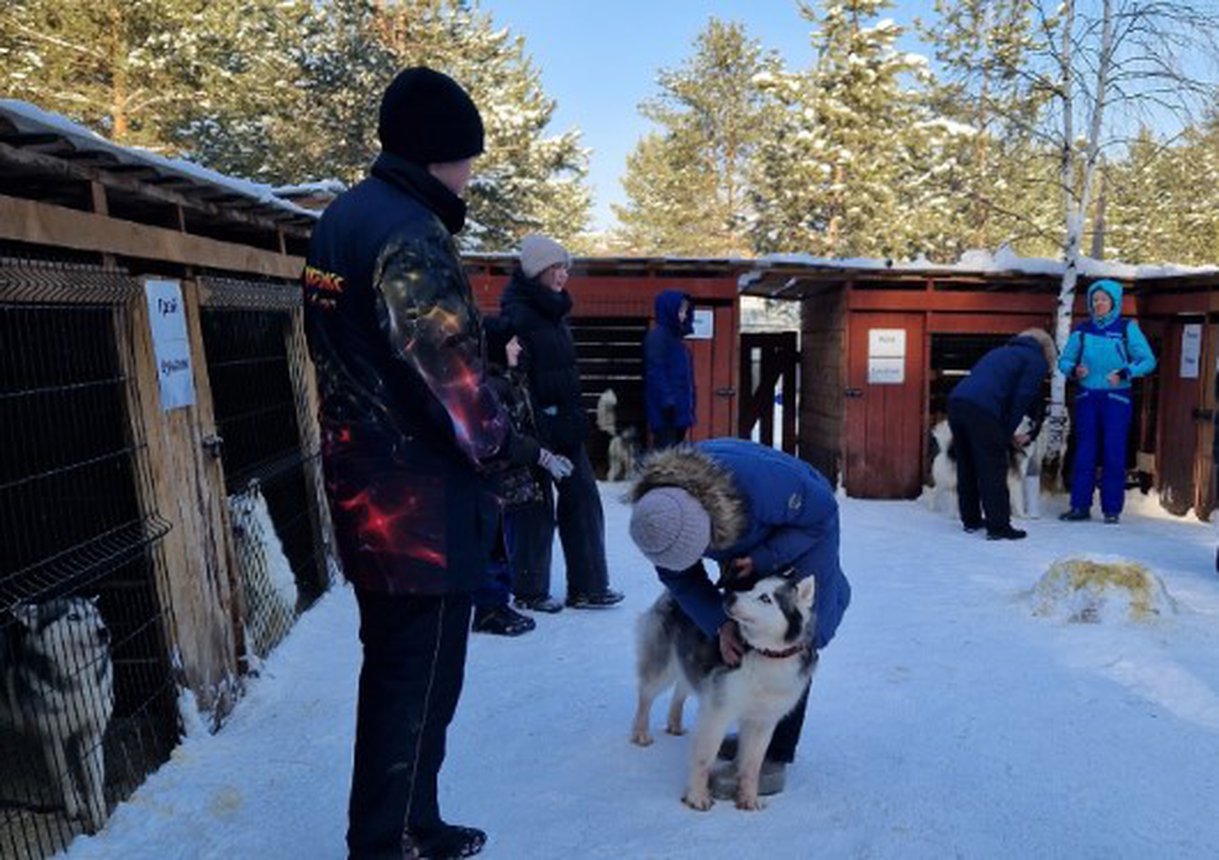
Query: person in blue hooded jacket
[1103, 354]
[984, 412]
[756, 511]
[668, 370]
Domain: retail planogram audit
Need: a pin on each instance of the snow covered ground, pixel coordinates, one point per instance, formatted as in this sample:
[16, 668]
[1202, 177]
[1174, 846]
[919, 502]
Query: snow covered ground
[946, 720]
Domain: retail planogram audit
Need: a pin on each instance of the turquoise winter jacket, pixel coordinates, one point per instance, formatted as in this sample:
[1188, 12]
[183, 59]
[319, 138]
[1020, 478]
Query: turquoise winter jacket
[1106, 345]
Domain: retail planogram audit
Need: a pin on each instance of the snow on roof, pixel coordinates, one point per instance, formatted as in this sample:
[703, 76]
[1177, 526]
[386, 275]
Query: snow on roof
[321, 186]
[30, 119]
[976, 262]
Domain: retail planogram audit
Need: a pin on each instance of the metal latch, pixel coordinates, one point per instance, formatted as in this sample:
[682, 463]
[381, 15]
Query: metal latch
[213, 444]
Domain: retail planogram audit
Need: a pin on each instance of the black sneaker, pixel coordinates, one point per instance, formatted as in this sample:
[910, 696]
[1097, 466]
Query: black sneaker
[545, 603]
[1075, 515]
[450, 841]
[501, 621]
[607, 598]
[1008, 533]
[1112, 519]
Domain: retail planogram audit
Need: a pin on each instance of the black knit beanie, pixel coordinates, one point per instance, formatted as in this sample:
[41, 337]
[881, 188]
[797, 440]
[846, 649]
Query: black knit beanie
[427, 118]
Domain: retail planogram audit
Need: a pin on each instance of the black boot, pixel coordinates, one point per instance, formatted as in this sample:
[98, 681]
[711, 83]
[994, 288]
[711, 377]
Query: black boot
[501, 621]
[1075, 515]
[448, 842]
[1007, 533]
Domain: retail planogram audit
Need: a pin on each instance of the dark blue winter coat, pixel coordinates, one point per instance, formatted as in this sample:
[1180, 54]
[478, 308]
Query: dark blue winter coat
[409, 425]
[668, 370]
[777, 510]
[1006, 382]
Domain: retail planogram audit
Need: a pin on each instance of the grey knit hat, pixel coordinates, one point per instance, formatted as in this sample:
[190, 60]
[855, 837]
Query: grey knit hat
[539, 253]
[670, 528]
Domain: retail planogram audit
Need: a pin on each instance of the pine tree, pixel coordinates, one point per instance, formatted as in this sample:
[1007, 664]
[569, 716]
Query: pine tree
[687, 184]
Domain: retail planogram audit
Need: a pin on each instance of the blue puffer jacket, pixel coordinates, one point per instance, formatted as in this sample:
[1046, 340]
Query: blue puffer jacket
[764, 504]
[1006, 382]
[668, 371]
[1107, 345]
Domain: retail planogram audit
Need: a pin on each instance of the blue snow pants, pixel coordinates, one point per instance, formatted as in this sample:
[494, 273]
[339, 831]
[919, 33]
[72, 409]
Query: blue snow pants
[1102, 424]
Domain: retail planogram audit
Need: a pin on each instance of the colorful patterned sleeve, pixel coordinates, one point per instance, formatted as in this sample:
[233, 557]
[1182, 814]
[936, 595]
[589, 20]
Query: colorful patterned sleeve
[426, 309]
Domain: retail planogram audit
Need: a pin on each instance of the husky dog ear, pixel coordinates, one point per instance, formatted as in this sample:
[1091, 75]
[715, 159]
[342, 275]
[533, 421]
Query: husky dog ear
[806, 590]
[26, 614]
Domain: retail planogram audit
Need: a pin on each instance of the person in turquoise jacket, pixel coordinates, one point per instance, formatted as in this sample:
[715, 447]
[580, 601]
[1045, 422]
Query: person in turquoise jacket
[1103, 355]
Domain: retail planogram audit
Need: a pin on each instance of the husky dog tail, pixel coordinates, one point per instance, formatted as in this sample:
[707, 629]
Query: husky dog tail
[607, 412]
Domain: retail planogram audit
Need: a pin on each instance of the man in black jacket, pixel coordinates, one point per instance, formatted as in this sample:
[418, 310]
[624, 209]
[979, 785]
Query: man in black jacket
[410, 430]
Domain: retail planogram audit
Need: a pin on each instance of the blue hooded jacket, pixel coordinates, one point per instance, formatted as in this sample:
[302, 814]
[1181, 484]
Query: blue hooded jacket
[1106, 345]
[668, 370]
[764, 504]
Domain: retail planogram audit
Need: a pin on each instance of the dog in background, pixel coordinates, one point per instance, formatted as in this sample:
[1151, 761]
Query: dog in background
[777, 623]
[1022, 461]
[267, 579]
[58, 687]
[624, 442]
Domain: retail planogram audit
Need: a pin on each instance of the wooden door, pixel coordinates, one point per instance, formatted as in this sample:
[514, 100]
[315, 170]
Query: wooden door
[884, 406]
[1182, 418]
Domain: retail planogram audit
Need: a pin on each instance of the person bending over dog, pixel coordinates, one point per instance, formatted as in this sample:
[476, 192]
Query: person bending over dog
[984, 412]
[756, 511]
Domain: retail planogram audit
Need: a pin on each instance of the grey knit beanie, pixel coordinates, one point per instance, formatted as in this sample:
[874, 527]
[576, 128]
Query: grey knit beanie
[539, 253]
[670, 528]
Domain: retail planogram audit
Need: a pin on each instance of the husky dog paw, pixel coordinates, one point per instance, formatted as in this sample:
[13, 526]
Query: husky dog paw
[700, 799]
[675, 729]
[641, 737]
[749, 801]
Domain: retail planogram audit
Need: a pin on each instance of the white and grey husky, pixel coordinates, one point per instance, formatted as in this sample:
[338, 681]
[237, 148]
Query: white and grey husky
[1023, 462]
[269, 584]
[776, 620]
[624, 441]
[58, 687]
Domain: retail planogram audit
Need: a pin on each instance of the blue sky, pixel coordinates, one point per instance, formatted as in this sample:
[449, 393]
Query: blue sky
[599, 61]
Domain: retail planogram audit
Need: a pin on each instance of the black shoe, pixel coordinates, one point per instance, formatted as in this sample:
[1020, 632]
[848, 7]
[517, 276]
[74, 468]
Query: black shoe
[545, 603]
[448, 842]
[501, 621]
[1075, 515]
[1008, 533]
[970, 528]
[1112, 519]
[609, 597]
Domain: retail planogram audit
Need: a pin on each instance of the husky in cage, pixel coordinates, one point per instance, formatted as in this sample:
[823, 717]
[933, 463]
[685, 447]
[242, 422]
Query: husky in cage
[266, 576]
[624, 442]
[57, 685]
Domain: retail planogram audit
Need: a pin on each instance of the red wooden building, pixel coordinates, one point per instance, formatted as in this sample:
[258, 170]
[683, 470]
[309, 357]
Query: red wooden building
[613, 307]
[882, 347]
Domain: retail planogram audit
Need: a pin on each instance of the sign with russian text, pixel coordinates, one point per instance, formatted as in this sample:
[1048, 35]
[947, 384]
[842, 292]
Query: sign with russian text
[170, 345]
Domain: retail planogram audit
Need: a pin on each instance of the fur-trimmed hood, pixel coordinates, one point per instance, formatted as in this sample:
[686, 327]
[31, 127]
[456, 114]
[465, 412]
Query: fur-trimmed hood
[696, 472]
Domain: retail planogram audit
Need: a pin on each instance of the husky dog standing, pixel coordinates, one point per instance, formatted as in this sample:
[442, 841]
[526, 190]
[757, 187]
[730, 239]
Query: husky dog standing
[266, 575]
[58, 687]
[623, 442]
[776, 621]
[1023, 461]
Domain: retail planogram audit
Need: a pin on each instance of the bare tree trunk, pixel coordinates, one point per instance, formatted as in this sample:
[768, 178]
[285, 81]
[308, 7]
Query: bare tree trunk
[1076, 203]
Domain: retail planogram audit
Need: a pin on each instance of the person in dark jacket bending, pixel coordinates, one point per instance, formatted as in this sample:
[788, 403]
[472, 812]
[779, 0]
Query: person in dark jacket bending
[668, 372]
[984, 412]
[536, 304]
[410, 432]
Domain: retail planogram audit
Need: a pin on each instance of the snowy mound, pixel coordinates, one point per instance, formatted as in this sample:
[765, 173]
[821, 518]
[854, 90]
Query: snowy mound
[1094, 589]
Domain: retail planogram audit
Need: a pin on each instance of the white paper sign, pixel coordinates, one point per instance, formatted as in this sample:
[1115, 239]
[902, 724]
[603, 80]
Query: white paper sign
[171, 348]
[704, 324]
[1191, 350]
[886, 356]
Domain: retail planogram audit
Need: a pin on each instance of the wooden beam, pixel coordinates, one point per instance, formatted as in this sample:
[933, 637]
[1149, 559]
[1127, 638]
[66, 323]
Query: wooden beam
[120, 177]
[56, 226]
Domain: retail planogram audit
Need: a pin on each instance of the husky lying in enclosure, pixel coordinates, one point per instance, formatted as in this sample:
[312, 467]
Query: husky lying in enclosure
[267, 579]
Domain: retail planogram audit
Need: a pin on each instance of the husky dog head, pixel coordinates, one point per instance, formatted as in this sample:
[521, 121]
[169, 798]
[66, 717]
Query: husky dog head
[774, 613]
[248, 510]
[65, 630]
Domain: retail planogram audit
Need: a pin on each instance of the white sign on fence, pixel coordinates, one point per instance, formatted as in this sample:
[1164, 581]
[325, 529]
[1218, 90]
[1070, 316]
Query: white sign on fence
[704, 324]
[167, 319]
[886, 356]
[1191, 350]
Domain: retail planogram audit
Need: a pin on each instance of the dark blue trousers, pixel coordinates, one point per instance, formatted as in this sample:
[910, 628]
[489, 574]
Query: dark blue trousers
[414, 663]
[1102, 425]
